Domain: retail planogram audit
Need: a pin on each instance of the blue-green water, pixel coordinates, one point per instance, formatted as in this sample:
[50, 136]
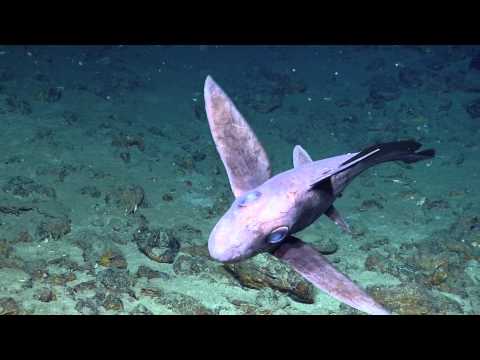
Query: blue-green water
[110, 182]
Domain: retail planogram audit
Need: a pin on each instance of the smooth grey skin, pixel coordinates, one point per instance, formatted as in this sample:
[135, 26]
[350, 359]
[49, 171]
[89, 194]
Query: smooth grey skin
[287, 202]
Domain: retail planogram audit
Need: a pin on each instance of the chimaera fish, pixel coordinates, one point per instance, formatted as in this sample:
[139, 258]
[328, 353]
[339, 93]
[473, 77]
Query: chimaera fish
[268, 210]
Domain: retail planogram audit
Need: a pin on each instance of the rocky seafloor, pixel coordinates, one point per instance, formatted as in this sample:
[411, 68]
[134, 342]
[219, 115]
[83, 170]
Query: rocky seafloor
[110, 182]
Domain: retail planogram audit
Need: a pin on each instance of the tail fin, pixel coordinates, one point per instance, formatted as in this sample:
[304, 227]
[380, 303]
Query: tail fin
[392, 151]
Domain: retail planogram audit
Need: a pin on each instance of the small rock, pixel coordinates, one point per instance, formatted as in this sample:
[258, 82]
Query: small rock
[91, 191]
[140, 310]
[414, 300]
[126, 141]
[46, 295]
[145, 271]
[128, 199]
[410, 78]
[187, 265]
[112, 303]
[8, 306]
[23, 237]
[475, 62]
[87, 307]
[167, 197]
[178, 303]
[327, 246]
[85, 286]
[113, 259]
[53, 94]
[54, 229]
[115, 279]
[61, 279]
[473, 108]
[370, 204]
[384, 88]
[125, 156]
[159, 245]
[196, 250]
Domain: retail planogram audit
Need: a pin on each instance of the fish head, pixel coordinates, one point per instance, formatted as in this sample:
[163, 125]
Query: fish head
[256, 222]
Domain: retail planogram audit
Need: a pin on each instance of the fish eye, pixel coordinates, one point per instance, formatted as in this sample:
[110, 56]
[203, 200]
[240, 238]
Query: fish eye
[249, 197]
[277, 235]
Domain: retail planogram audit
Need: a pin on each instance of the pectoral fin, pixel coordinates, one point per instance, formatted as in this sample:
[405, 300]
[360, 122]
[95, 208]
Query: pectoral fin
[314, 267]
[335, 216]
[243, 156]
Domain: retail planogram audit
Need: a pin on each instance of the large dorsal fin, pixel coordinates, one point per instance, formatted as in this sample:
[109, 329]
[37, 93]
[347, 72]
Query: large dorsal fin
[314, 267]
[243, 156]
[300, 156]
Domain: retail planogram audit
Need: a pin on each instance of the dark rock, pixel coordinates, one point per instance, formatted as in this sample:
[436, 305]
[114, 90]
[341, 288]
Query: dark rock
[24, 187]
[70, 117]
[140, 310]
[266, 89]
[158, 132]
[265, 270]
[61, 279]
[17, 105]
[178, 303]
[327, 246]
[473, 108]
[128, 199]
[112, 303]
[376, 64]
[187, 265]
[370, 204]
[436, 204]
[374, 244]
[8, 306]
[23, 237]
[199, 110]
[198, 156]
[434, 62]
[167, 197]
[145, 271]
[247, 308]
[54, 229]
[113, 259]
[91, 191]
[65, 263]
[196, 250]
[53, 94]
[85, 286]
[15, 210]
[475, 62]
[125, 156]
[456, 80]
[160, 245]
[384, 88]
[5, 248]
[87, 307]
[376, 262]
[6, 75]
[414, 300]
[45, 295]
[116, 280]
[410, 78]
[127, 141]
[445, 104]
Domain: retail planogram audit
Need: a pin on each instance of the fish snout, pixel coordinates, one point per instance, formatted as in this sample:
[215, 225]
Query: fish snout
[227, 246]
[222, 251]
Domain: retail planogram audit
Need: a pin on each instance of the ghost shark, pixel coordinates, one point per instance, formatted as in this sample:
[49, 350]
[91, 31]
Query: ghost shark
[268, 210]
